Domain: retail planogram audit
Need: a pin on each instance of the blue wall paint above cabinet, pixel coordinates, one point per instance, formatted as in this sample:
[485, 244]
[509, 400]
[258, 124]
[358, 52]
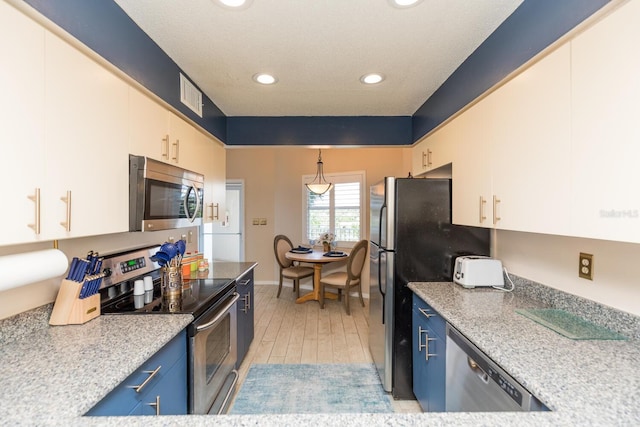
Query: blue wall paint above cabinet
[107, 30]
[337, 131]
[531, 28]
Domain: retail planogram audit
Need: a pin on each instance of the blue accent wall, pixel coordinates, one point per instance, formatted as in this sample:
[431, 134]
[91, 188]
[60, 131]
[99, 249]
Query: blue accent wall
[531, 28]
[104, 27]
[338, 131]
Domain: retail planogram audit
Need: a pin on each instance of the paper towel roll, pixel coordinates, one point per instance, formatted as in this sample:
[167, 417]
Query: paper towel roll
[31, 267]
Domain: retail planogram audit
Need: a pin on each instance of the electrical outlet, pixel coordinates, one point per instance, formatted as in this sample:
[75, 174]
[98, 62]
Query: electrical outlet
[585, 269]
[263, 221]
[256, 221]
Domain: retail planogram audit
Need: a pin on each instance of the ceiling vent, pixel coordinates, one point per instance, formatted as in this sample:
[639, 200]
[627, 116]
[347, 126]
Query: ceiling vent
[190, 95]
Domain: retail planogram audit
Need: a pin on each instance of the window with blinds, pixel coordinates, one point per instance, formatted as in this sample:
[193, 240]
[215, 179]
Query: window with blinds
[339, 211]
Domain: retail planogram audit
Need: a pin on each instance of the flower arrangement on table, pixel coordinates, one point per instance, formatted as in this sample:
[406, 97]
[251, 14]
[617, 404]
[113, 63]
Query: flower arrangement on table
[327, 238]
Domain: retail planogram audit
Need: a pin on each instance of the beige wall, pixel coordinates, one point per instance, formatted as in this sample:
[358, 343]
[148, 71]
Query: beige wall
[273, 180]
[553, 261]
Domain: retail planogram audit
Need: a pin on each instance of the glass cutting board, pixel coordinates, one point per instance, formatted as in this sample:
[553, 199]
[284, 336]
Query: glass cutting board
[569, 325]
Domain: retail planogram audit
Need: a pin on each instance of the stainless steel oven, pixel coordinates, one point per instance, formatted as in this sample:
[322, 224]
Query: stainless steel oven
[212, 357]
[212, 336]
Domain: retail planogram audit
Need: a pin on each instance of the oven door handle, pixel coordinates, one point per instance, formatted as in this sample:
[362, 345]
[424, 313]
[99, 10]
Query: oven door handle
[226, 308]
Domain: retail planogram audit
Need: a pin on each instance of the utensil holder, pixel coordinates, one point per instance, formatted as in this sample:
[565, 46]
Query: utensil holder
[69, 309]
[171, 281]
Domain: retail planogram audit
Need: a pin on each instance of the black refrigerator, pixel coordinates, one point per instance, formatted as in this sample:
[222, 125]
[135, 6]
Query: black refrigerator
[412, 240]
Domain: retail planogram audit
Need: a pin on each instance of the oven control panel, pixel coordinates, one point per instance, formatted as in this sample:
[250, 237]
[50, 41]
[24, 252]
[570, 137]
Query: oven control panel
[132, 265]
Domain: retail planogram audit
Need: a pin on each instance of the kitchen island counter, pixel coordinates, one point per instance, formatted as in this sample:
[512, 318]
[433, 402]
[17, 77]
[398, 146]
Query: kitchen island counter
[53, 375]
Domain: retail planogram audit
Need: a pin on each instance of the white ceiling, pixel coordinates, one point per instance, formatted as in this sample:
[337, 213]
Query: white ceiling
[319, 49]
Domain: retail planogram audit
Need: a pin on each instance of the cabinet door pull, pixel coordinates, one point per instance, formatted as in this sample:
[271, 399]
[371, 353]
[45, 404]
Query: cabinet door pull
[36, 199]
[156, 404]
[424, 160]
[216, 211]
[483, 202]
[164, 148]
[67, 223]
[245, 300]
[496, 218]
[176, 156]
[138, 388]
[429, 155]
[426, 343]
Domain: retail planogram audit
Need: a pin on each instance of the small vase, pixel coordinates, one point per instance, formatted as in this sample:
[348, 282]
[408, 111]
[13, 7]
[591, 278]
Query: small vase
[325, 246]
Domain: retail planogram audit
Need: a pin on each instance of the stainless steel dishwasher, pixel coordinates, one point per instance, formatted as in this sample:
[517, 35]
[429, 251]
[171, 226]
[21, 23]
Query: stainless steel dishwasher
[474, 383]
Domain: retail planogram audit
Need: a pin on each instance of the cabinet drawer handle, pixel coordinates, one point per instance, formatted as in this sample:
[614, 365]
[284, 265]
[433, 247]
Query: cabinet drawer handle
[138, 388]
[496, 218]
[425, 313]
[164, 148]
[156, 404]
[67, 223]
[244, 282]
[483, 202]
[36, 199]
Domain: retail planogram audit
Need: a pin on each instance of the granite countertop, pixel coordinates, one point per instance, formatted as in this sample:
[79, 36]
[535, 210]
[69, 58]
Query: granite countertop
[53, 375]
[584, 382]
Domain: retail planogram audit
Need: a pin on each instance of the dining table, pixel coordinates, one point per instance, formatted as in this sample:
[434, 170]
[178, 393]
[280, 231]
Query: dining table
[318, 258]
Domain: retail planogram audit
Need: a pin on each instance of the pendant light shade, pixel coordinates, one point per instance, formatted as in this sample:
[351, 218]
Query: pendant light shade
[319, 185]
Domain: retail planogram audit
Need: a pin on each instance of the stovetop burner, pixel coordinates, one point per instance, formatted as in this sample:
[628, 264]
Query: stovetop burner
[117, 298]
[197, 295]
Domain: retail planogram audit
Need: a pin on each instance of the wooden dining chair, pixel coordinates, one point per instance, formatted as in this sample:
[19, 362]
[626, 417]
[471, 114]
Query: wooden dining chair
[347, 279]
[288, 269]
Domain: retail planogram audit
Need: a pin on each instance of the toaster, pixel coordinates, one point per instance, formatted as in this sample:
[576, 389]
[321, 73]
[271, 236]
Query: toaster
[478, 271]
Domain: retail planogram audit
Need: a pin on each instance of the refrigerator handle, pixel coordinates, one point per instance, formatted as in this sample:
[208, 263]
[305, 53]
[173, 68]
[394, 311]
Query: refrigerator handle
[384, 298]
[382, 241]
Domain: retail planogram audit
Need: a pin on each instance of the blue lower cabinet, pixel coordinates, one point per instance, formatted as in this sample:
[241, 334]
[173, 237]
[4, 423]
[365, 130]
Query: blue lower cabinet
[161, 379]
[169, 396]
[429, 357]
[245, 312]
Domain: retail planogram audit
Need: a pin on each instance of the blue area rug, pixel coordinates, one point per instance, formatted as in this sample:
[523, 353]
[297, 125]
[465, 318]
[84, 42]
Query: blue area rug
[311, 389]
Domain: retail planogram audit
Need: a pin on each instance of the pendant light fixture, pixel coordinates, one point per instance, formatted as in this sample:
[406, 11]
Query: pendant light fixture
[319, 185]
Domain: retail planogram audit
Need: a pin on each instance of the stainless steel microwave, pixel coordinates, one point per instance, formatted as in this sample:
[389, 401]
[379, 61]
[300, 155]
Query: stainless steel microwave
[163, 196]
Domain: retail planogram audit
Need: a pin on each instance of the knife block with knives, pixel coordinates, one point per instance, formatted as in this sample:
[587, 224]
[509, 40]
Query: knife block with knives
[78, 299]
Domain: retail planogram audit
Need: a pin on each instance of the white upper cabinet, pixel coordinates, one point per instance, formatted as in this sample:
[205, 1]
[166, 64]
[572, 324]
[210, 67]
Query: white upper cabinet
[434, 152]
[86, 124]
[218, 179]
[529, 137]
[471, 172]
[510, 168]
[606, 128]
[22, 124]
[162, 135]
[149, 127]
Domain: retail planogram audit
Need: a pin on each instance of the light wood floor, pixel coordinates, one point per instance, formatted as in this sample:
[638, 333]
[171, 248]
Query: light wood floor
[286, 332]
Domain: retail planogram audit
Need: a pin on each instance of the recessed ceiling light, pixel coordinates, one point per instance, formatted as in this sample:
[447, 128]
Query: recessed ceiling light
[234, 4]
[372, 78]
[264, 79]
[404, 3]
